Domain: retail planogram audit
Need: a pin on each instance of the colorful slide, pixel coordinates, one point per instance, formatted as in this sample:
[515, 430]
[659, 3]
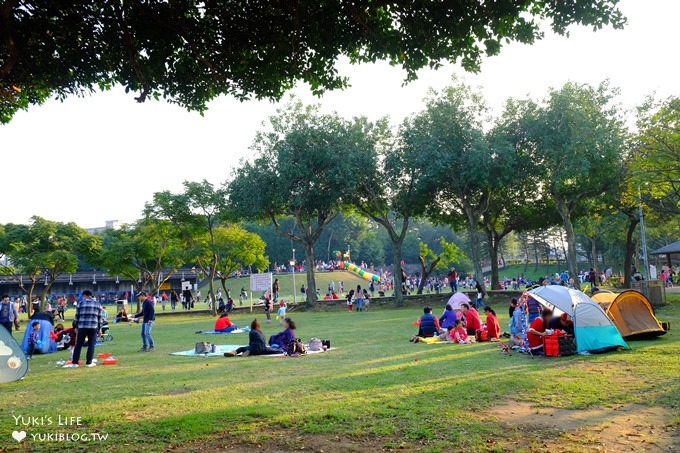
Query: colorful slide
[359, 271]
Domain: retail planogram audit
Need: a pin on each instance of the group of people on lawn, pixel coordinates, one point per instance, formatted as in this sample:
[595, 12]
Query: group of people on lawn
[453, 326]
[257, 344]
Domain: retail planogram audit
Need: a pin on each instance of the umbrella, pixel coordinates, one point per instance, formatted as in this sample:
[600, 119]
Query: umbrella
[457, 300]
[559, 297]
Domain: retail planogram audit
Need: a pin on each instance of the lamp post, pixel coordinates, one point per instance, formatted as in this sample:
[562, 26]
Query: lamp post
[643, 242]
[292, 263]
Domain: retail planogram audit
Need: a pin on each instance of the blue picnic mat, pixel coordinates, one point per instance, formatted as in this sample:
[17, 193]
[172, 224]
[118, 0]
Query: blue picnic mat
[220, 350]
[214, 332]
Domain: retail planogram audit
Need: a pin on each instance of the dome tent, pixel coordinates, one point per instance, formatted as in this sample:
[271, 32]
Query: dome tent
[593, 330]
[632, 313]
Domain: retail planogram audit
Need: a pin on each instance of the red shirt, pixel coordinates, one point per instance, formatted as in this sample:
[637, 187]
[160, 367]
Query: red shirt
[492, 326]
[223, 323]
[535, 340]
[472, 320]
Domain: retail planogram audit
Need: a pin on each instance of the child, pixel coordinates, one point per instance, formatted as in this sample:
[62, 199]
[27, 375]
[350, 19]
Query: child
[459, 334]
[268, 307]
[350, 295]
[34, 339]
[282, 311]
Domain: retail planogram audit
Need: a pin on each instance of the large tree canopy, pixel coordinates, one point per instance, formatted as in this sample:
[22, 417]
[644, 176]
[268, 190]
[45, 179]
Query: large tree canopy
[46, 249]
[307, 166]
[189, 52]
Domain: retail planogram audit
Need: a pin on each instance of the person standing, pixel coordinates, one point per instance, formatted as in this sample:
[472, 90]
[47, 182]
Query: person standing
[148, 315]
[359, 298]
[61, 308]
[173, 299]
[87, 322]
[275, 290]
[8, 314]
[452, 278]
[481, 293]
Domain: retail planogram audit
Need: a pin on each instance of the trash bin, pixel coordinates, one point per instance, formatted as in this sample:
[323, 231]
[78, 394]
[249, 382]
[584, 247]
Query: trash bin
[653, 290]
[121, 304]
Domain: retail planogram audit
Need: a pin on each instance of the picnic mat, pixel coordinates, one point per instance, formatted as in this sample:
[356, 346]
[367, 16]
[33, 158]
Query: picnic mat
[214, 332]
[222, 348]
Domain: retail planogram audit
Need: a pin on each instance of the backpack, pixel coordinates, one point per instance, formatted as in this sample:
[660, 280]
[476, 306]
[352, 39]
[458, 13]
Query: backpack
[202, 348]
[295, 347]
[315, 344]
[482, 335]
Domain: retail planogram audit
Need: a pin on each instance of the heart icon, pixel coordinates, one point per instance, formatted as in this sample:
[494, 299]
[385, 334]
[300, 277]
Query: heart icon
[19, 435]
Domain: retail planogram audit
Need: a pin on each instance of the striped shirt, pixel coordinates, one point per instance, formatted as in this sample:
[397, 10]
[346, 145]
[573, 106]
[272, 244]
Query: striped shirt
[88, 314]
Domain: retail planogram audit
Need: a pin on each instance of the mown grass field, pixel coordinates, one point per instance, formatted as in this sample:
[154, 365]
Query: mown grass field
[376, 391]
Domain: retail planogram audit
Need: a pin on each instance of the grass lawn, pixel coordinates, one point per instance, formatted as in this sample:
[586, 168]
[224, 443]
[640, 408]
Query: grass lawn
[376, 391]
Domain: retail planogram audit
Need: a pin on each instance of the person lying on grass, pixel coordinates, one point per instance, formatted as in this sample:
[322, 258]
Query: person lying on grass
[281, 339]
[256, 344]
[428, 325]
[224, 324]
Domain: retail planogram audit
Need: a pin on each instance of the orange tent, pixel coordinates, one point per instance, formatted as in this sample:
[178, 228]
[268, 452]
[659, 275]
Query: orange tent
[632, 314]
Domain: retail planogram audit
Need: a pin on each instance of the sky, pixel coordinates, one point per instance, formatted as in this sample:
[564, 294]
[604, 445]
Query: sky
[79, 160]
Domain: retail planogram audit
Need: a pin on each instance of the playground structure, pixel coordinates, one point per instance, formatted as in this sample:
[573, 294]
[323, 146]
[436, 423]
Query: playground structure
[344, 264]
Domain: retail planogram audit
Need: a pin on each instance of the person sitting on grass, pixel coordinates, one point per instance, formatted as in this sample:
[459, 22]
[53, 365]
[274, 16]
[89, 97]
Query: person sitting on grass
[281, 339]
[459, 334]
[539, 329]
[122, 316]
[448, 318]
[492, 326]
[256, 343]
[443, 337]
[65, 337]
[472, 321]
[224, 324]
[428, 325]
[562, 323]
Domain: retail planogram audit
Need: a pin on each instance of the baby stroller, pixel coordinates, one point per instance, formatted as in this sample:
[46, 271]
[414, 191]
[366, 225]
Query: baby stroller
[105, 336]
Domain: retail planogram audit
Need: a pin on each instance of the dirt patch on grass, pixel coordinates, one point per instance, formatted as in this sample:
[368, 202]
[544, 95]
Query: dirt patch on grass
[618, 428]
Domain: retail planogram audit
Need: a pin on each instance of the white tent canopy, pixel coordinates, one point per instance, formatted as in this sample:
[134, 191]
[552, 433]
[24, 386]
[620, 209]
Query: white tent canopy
[559, 297]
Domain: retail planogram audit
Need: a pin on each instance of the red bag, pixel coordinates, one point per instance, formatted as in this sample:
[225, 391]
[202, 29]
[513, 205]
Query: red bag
[482, 335]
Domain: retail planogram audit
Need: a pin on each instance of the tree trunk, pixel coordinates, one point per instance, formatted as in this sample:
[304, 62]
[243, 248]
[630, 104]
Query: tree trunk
[535, 252]
[396, 271]
[311, 279]
[571, 241]
[426, 271]
[474, 245]
[593, 251]
[492, 247]
[630, 251]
